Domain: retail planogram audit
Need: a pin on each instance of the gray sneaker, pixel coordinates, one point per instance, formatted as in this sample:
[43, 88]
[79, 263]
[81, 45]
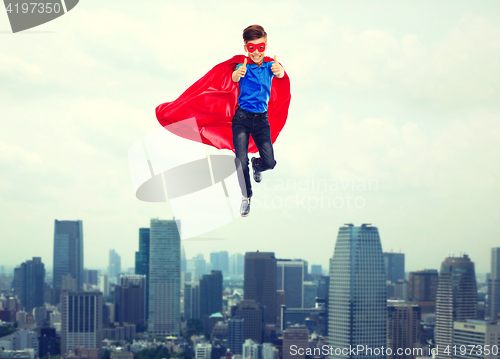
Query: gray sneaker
[257, 176]
[245, 206]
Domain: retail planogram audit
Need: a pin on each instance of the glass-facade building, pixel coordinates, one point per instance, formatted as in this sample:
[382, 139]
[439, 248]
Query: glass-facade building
[164, 278]
[357, 298]
[68, 252]
[456, 299]
[32, 292]
[494, 285]
[394, 266]
[142, 261]
[290, 278]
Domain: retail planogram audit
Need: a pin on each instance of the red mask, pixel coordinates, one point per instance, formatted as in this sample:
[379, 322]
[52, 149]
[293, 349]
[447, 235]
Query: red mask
[259, 47]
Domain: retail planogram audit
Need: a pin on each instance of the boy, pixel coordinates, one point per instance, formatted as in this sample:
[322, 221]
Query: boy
[255, 77]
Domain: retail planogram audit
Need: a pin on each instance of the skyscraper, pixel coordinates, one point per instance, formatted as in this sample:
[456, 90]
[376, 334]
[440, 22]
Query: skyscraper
[32, 284]
[115, 266]
[235, 334]
[422, 288]
[142, 261]
[132, 299]
[494, 285]
[403, 329]
[357, 298]
[456, 299]
[236, 264]
[68, 253]
[164, 278]
[290, 278]
[299, 337]
[220, 261]
[260, 282]
[394, 266]
[210, 299]
[81, 320]
[253, 318]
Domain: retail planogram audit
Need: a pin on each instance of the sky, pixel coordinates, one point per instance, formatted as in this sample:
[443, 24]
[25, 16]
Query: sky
[394, 120]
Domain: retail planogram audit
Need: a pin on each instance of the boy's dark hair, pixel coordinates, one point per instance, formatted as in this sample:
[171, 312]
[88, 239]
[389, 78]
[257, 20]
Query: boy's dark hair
[253, 32]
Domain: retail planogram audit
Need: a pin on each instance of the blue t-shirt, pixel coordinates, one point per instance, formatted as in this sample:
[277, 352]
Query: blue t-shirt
[255, 87]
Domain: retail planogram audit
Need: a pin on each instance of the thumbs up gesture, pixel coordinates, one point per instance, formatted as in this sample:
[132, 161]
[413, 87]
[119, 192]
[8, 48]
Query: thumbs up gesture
[277, 69]
[242, 70]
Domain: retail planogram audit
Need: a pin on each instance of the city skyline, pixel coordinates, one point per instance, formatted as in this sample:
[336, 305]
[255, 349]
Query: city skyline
[400, 117]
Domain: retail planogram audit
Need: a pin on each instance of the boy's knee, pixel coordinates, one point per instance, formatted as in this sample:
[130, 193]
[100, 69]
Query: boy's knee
[269, 164]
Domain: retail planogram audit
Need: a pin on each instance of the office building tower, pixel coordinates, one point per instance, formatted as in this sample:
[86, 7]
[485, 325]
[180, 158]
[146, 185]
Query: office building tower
[260, 282]
[290, 278]
[422, 289]
[357, 300]
[403, 329]
[32, 292]
[236, 335]
[316, 269]
[456, 299]
[494, 285]
[298, 336]
[142, 261]
[200, 265]
[188, 301]
[68, 253]
[220, 261]
[394, 264]
[115, 266]
[17, 283]
[210, 298]
[476, 334]
[81, 320]
[104, 284]
[236, 264]
[164, 278]
[253, 317]
[309, 293]
[132, 299]
[90, 276]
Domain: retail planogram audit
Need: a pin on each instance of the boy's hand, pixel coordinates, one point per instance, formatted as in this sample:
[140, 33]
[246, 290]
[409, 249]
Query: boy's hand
[277, 69]
[242, 70]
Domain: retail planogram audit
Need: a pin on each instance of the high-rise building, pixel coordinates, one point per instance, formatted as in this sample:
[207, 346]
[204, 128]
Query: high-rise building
[403, 329]
[32, 284]
[210, 298]
[357, 299]
[316, 269]
[309, 293]
[456, 299]
[260, 282]
[68, 253]
[81, 320]
[494, 285]
[220, 261]
[422, 288]
[477, 334]
[90, 276]
[188, 301]
[142, 261]
[132, 304]
[290, 278]
[297, 336]
[236, 264]
[394, 266]
[164, 278]
[236, 334]
[25, 339]
[115, 266]
[253, 318]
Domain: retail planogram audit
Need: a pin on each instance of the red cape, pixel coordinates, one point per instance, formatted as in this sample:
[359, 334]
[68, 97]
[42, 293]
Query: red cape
[212, 101]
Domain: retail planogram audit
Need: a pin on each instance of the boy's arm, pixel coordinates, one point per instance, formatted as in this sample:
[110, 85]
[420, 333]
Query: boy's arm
[239, 72]
[277, 69]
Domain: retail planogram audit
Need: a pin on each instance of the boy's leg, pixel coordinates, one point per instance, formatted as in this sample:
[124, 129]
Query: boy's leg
[262, 137]
[241, 136]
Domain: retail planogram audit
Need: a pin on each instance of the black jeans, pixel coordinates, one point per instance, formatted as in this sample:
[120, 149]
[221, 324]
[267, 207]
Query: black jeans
[256, 124]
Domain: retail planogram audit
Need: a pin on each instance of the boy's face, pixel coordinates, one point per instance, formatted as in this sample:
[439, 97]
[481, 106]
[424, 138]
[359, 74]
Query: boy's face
[252, 48]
